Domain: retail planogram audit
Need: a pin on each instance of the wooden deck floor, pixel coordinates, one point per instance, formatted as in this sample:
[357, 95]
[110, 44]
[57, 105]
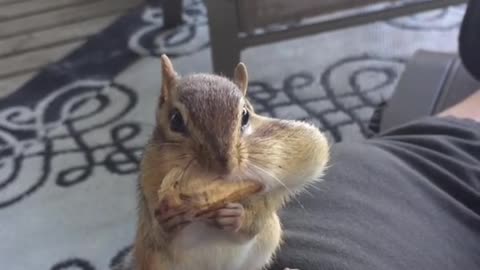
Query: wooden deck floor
[34, 33]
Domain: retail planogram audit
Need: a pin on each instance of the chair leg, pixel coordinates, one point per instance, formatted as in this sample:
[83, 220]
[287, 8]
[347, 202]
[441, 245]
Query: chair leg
[172, 10]
[224, 28]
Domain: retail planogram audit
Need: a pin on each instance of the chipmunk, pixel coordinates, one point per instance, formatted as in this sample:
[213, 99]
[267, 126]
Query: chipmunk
[206, 126]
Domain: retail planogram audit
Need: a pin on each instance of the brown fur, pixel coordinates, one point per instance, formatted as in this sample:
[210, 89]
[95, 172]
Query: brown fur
[213, 108]
[289, 154]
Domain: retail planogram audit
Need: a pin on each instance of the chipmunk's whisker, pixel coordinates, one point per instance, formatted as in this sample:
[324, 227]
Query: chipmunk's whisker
[280, 182]
[261, 151]
[256, 152]
[270, 174]
[308, 192]
[312, 186]
[255, 159]
[187, 167]
[242, 151]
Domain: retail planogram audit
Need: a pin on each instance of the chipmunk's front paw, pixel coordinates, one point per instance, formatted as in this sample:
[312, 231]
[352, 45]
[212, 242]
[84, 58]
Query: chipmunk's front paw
[172, 220]
[228, 218]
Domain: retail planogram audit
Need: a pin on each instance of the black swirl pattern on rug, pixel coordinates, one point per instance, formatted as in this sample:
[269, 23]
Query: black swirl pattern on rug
[123, 259]
[153, 39]
[58, 129]
[339, 98]
[138, 33]
[120, 261]
[73, 264]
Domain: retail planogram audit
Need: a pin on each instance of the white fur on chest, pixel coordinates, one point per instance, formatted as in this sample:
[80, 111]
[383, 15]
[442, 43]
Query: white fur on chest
[202, 247]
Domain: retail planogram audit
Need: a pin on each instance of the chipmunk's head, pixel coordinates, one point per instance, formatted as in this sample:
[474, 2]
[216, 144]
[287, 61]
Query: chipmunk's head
[208, 122]
[205, 115]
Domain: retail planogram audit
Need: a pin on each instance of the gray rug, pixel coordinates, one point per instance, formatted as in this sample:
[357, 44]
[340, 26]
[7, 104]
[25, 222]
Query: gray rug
[70, 139]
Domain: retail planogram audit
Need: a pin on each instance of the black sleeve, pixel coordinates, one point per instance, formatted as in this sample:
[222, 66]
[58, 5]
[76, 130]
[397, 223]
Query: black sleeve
[408, 199]
[470, 39]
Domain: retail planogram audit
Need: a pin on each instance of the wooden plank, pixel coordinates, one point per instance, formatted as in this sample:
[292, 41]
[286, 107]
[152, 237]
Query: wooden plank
[15, 65]
[11, 84]
[24, 8]
[49, 37]
[64, 16]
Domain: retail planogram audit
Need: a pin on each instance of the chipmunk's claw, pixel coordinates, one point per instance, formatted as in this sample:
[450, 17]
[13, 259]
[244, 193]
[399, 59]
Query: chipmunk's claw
[228, 218]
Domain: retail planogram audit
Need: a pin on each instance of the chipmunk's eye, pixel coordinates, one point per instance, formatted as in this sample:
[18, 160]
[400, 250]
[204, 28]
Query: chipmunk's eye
[176, 122]
[245, 117]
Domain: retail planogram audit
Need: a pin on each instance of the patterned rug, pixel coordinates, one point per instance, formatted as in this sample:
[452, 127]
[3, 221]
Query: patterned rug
[71, 138]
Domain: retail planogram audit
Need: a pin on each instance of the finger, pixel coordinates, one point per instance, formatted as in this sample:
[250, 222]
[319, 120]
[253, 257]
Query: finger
[234, 206]
[159, 209]
[230, 228]
[174, 213]
[230, 212]
[168, 216]
[163, 205]
[229, 221]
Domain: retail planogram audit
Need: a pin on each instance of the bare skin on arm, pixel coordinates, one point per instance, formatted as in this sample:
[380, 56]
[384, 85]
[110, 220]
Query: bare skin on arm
[468, 108]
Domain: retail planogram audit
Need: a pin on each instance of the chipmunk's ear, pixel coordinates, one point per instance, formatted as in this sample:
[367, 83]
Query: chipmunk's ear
[240, 77]
[168, 78]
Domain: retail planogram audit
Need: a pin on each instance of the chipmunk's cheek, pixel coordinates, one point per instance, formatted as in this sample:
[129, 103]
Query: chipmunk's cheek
[266, 186]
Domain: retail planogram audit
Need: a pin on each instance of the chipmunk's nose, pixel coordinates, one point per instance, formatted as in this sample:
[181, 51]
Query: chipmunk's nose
[225, 164]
